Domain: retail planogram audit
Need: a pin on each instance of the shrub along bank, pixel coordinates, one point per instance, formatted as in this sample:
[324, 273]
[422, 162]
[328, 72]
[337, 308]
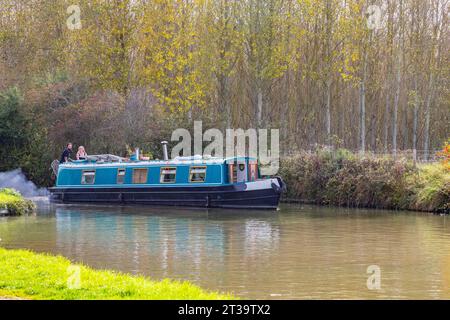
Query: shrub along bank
[12, 203]
[343, 178]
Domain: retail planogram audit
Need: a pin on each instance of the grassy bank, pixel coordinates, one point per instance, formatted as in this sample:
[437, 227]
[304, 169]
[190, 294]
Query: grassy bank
[40, 276]
[342, 178]
[14, 203]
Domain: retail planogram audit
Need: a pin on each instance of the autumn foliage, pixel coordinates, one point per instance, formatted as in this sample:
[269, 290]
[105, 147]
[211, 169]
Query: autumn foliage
[323, 72]
[445, 154]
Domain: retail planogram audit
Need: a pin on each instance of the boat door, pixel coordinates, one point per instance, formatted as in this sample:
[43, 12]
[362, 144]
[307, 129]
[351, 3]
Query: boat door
[238, 171]
[242, 171]
[252, 170]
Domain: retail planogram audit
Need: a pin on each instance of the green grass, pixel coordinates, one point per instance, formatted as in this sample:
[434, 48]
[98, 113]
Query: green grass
[13, 201]
[432, 187]
[41, 276]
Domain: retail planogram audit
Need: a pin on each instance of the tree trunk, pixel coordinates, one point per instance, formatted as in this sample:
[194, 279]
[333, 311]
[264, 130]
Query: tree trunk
[426, 139]
[396, 102]
[387, 108]
[328, 82]
[373, 132]
[259, 107]
[362, 106]
[398, 84]
[362, 117]
[416, 111]
[284, 122]
[328, 111]
[224, 108]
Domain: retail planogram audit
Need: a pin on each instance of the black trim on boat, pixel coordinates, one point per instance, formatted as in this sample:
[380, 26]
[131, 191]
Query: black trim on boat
[230, 196]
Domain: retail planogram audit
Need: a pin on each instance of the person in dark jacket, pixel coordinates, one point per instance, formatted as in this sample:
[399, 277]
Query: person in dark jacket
[65, 156]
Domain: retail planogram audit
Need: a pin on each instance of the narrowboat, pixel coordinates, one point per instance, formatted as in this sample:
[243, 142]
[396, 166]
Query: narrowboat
[195, 181]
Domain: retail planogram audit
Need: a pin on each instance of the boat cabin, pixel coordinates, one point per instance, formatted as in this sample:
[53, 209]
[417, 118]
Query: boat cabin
[114, 171]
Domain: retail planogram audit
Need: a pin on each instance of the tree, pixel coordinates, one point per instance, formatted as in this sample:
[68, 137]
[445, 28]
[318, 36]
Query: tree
[169, 50]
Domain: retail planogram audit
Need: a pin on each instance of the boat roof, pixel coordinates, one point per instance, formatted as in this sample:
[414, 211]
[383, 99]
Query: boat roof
[107, 160]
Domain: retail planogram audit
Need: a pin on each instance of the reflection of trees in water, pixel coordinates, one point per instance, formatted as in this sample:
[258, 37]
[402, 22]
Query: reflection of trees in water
[446, 268]
[154, 245]
[199, 248]
[260, 236]
[322, 253]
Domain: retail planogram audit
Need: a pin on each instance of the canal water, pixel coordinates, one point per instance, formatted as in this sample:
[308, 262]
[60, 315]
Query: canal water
[298, 252]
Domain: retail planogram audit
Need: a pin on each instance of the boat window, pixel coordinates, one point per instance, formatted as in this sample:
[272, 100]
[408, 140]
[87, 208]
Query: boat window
[120, 176]
[235, 173]
[168, 175]
[88, 177]
[232, 172]
[197, 174]
[140, 175]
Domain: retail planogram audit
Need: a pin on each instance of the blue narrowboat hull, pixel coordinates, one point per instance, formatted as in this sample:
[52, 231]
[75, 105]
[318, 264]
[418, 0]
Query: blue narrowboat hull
[243, 196]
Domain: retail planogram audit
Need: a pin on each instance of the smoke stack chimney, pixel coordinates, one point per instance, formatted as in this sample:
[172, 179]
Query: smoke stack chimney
[136, 151]
[165, 154]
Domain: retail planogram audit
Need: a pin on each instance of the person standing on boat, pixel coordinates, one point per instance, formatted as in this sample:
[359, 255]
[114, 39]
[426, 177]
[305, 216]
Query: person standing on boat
[65, 156]
[81, 154]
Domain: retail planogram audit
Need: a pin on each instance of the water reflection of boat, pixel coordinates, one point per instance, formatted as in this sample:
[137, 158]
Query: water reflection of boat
[184, 181]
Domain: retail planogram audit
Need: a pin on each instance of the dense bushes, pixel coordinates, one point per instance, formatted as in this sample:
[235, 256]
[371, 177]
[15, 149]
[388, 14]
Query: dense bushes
[23, 141]
[14, 133]
[345, 179]
[431, 188]
[36, 124]
[14, 203]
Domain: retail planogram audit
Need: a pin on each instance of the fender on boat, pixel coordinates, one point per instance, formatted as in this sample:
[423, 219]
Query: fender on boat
[281, 188]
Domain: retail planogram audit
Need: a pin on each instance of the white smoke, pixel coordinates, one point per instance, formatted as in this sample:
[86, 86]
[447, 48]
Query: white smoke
[16, 179]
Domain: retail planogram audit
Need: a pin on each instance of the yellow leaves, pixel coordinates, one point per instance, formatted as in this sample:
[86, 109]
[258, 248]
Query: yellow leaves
[166, 35]
[170, 62]
[445, 155]
[344, 76]
[169, 66]
[356, 6]
[309, 7]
